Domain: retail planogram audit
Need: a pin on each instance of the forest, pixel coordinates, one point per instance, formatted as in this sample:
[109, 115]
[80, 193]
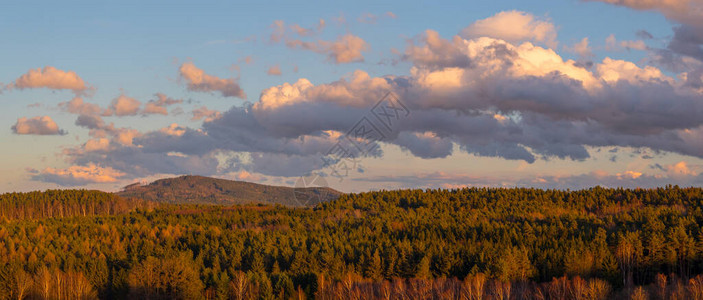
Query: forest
[470, 243]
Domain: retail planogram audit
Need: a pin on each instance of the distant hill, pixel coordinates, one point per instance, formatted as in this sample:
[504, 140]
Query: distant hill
[206, 190]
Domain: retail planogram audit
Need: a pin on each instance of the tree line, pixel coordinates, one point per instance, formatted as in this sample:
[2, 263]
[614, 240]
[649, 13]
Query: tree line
[471, 243]
[65, 203]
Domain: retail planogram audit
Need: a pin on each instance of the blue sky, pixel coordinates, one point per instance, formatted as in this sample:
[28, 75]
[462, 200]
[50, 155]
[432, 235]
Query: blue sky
[621, 110]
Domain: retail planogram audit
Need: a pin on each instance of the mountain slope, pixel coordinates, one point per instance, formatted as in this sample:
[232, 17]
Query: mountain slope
[206, 190]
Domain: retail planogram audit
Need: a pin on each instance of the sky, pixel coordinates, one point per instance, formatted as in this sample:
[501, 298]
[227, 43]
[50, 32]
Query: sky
[366, 95]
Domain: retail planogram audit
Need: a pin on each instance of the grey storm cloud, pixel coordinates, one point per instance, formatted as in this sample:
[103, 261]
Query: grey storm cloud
[688, 40]
[277, 164]
[137, 162]
[425, 146]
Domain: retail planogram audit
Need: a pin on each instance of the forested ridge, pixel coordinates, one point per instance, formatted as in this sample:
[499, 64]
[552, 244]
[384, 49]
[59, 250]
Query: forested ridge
[472, 243]
[189, 189]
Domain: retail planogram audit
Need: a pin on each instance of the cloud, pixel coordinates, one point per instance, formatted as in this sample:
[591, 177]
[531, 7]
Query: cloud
[90, 121]
[308, 31]
[346, 49]
[173, 129]
[612, 71]
[629, 175]
[90, 117]
[126, 136]
[120, 106]
[279, 30]
[611, 44]
[636, 45]
[300, 30]
[246, 176]
[434, 52]
[683, 11]
[133, 154]
[124, 106]
[369, 18]
[198, 81]
[79, 175]
[51, 78]
[37, 125]
[626, 179]
[688, 40]
[99, 144]
[99, 129]
[684, 52]
[203, 113]
[425, 145]
[581, 48]
[280, 33]
[135, 162]
[277, 164]
[160, 105]
[644, 34]
[483, 96]
[513, 26]
[274, 70]
[494, 75]
[679, 170]
[78, 106]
